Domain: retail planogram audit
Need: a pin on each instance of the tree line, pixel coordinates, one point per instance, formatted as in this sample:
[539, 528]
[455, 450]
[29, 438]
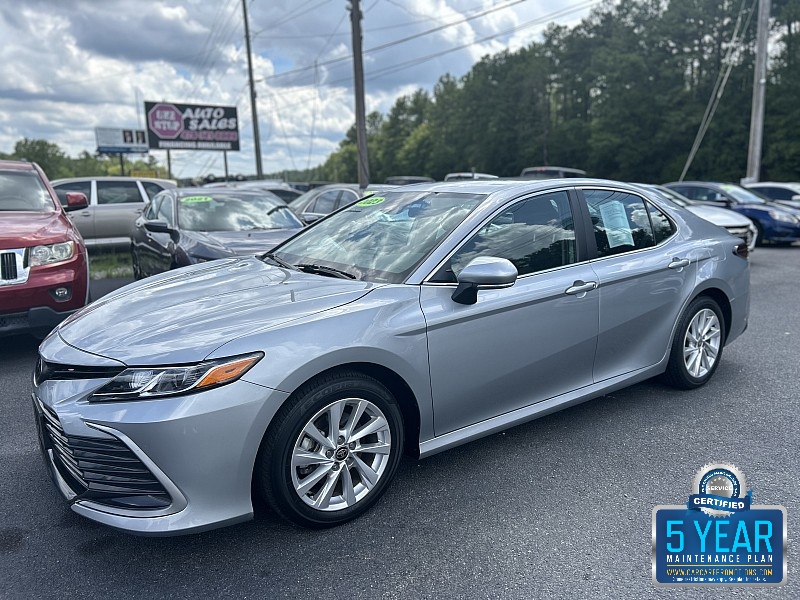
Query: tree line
[621, 95]
[57, 164]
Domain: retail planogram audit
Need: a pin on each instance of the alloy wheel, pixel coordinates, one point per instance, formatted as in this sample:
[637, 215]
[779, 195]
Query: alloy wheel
[341, 454]
[701, 343]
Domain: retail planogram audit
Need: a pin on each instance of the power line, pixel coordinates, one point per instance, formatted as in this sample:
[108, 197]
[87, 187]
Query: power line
[399, 41]
[719, 86]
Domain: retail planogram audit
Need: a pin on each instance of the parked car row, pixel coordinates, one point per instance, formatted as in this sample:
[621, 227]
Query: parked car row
[776, 223]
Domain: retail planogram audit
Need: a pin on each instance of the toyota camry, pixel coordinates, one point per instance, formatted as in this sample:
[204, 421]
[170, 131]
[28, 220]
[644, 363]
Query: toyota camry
[405, 323]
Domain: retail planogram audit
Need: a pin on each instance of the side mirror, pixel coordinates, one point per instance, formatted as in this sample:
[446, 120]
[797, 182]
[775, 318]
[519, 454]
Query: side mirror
[720, 198]
[157, 226]
[310, 218]
[483, 273]
[76, 201]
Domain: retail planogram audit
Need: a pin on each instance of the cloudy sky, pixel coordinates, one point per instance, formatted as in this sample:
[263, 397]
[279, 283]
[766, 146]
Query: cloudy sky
[68, 66]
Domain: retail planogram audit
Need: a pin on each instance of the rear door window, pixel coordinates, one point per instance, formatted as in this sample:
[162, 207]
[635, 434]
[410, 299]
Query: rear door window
[118, 192]
[620, 221]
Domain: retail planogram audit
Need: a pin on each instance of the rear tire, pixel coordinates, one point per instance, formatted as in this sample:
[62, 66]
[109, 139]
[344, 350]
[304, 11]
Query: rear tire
[697, 347]
[318, 475]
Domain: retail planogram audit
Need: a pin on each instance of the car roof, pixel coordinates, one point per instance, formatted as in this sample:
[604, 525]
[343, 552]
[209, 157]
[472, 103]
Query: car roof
[166, 182]
[18, 165]
[512, 186]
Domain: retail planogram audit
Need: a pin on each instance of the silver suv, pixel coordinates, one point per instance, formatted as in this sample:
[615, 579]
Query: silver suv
[114, 204]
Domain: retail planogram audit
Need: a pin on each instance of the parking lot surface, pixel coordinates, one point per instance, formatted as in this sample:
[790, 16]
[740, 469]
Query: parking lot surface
[557, 508]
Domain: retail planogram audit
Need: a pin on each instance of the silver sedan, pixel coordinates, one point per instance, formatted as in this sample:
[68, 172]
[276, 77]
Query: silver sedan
[411, 321]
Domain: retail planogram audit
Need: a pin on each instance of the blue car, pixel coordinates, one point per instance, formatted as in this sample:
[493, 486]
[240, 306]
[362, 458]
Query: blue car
[775, 223]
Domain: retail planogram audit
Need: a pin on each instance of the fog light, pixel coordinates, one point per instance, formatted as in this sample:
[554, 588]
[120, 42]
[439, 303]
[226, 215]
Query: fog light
[62, 293]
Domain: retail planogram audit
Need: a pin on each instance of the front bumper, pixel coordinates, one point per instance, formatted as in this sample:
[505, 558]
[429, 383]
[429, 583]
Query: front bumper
[154, 467]
[38, 320]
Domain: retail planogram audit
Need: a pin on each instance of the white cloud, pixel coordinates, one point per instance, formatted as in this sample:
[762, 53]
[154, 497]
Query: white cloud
[68, 66]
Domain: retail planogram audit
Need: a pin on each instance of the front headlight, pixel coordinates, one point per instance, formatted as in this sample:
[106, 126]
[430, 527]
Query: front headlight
[782, 216]
[145, 383]
[52, 253]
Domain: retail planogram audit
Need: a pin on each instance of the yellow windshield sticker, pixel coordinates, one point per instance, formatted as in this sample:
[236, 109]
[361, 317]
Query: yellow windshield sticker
[372, 201]
[196, 199]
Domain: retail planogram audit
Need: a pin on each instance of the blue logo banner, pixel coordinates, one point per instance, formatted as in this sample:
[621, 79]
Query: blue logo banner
[746, 548]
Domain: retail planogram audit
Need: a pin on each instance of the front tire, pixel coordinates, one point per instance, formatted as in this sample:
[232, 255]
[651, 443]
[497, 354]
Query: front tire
[137, 269]
[697, 347]
[331, 451]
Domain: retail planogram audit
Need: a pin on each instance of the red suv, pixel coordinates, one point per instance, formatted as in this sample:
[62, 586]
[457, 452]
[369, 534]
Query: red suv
[44, 270]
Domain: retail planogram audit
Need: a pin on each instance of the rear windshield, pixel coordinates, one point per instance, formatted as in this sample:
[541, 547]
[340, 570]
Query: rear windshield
[24, 191]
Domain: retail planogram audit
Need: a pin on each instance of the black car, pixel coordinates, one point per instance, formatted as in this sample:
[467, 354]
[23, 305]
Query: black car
[191, 225]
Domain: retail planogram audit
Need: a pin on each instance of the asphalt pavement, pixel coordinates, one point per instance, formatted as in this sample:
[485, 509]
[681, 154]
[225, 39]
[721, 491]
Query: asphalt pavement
[557, 508]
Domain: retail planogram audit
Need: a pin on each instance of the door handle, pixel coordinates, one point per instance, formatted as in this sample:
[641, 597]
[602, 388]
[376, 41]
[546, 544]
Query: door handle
[678, 263]
[581, 287]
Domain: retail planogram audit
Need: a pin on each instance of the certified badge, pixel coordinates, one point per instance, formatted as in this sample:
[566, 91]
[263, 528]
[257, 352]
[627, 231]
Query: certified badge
[719, 537]
[719, 490]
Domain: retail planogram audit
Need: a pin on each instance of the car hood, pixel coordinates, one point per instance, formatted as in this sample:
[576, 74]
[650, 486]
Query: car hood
[23, 229]
[720, 216]
[239, 243]
[182, 316]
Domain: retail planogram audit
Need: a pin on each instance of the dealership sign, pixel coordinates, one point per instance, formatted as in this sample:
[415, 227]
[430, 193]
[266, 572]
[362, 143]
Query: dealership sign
[114, 140]
[172, 126]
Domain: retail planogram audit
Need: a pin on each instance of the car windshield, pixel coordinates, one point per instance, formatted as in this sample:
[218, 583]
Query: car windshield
[234, 212]
[24, 191]
[381, 238]
[741, 195]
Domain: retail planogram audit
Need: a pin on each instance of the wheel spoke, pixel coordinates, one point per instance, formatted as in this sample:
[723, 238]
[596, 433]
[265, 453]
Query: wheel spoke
[712, 352]
[315, 434]
[312, 479]
[348, 493]
[377, 448]
[335, 416]
[352, 421]
[694, 363]
[374, 426]
[305, 458]
[368, 476]
[323, 498]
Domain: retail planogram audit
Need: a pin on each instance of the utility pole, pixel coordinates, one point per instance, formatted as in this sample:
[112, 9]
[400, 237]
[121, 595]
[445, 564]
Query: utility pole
[256, 138]
[358, 72]
[759, 87]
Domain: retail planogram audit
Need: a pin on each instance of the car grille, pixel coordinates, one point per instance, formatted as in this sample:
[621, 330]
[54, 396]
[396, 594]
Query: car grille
[48, 370]
[8, 266]
[742, 232]
[103, 470]
[12, 267]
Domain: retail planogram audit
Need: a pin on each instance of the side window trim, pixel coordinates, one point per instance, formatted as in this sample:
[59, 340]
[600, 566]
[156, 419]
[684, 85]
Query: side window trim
[577, 226]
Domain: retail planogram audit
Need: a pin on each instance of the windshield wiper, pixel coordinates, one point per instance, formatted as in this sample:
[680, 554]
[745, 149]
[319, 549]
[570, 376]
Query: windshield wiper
[323, 270]
[278, 261]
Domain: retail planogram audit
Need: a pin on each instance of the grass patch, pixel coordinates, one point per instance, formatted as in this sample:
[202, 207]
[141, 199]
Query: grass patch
[104, 264]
